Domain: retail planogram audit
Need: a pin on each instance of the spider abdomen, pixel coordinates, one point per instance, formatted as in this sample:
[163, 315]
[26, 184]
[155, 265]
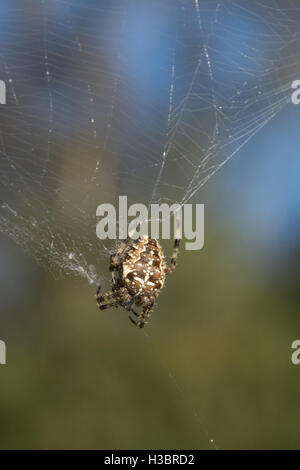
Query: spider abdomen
[143, 267]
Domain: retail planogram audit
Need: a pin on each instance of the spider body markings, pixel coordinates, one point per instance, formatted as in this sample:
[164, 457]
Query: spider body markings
[138, 271]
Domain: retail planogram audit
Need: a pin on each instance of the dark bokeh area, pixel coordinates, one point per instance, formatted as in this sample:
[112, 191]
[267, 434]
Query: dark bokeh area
[213, 368]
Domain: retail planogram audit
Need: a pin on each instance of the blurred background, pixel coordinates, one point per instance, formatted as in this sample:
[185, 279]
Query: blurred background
[97, 96]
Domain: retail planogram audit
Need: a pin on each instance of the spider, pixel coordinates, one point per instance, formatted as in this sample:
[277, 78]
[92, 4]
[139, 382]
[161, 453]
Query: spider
[138, 271]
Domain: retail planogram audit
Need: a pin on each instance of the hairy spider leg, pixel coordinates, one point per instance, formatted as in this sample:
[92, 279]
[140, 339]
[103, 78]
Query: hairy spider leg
[143, 317]
[114, 259]
[114, 295]
[172, 266]
[109, 305]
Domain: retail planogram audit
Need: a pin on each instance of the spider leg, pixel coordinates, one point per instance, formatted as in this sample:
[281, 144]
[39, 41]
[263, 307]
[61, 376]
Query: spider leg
[104, 297]
[133, 321]
[134, 313]
[129, 307]
[109, 305]
[115, 295]
[172, 266]
[114, 260]
[143, 317]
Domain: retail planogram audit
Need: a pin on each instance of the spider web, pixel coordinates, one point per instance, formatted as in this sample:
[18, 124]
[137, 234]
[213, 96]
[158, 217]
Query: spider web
[144, 99]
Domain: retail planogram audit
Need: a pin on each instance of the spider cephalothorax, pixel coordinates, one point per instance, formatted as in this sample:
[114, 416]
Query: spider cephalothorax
[138, 270]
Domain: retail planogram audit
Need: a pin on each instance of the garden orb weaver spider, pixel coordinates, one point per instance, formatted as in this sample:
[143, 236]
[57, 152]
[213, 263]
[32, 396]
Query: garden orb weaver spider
[138, 269]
